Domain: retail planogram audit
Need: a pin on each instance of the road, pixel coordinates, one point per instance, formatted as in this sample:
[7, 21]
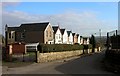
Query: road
[91, 64]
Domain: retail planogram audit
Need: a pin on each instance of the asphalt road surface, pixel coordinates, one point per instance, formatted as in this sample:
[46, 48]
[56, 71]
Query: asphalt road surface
[91, 64]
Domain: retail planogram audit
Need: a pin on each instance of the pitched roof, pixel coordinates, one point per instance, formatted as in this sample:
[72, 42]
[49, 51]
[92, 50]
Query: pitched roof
[13, 28]
[55, 28]
[84, 37]
[62, 31]
[68, 32]
[73, 34]
[77, 35]
[34, 26]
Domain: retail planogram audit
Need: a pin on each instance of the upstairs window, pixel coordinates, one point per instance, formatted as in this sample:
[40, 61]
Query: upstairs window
[10, 35]
[50, 34]
[46, 33]
[22, 35]
[59, 36]
[56, 36]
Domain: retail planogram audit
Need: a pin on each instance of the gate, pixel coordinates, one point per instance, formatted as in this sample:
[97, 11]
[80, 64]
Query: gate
[27, 57]
[22, 52]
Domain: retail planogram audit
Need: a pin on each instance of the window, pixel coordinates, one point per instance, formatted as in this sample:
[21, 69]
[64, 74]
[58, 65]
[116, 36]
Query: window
[22, 35]
[56, 36]
[50, 34]
[46, 33]
[31, 48]
[59, 36]
[10, 35]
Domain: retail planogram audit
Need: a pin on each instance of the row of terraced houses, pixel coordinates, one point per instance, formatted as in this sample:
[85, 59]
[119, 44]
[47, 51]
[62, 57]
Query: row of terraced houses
[43, 33]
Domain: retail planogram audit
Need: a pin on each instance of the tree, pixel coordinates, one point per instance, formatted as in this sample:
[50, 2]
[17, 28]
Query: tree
[2, 40]
[93, 42]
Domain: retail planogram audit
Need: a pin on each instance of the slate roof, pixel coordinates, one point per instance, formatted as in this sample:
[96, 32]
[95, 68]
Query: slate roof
[55, 28]
[77, 35]
[62, 31]
[73, 34]
[34, 26]
[13, 28]
[68, 32]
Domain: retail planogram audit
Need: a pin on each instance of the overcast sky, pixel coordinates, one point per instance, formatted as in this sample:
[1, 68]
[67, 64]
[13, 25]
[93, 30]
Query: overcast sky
[84, 18]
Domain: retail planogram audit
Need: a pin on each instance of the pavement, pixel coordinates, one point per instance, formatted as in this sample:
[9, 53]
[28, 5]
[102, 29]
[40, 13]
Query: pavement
[91, 64]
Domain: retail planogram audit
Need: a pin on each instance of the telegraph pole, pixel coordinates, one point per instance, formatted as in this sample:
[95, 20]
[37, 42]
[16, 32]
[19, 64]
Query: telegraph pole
[100, 36]
[6, 30]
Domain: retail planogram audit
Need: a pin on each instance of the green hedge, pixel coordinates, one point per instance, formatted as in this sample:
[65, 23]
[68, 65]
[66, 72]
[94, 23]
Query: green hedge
[90, 46]
[87, 46]
[61, 47]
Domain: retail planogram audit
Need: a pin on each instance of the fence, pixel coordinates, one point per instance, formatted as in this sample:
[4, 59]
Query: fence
[113, 47]
[113, 40]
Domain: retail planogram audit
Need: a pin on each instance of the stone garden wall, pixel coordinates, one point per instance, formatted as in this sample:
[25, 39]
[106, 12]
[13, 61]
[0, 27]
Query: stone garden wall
[47, 57]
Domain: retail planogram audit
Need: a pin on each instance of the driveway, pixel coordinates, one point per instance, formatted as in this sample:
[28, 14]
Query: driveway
[91, 64]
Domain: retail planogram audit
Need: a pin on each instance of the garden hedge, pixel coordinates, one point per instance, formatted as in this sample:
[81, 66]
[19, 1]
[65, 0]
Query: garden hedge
[61, 47]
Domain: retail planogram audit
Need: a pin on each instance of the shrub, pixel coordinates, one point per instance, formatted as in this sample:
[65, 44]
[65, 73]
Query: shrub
[77, 47]
[90, 46]
[59, 47]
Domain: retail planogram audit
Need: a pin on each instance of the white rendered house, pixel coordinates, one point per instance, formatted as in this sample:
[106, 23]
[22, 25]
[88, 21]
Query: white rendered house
[57, 35]
[79, 39]
[84, 40]
[64, 36]
[70, 37]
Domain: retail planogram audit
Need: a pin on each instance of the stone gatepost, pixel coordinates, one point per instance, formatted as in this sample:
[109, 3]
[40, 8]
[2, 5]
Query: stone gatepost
[37, 56]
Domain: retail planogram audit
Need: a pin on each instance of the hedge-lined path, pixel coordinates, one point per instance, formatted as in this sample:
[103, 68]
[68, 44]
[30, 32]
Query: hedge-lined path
[91, 64]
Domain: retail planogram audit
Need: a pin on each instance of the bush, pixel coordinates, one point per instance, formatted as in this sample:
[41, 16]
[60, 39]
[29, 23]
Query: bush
[90, 46]
[59, 47]
[77, 47]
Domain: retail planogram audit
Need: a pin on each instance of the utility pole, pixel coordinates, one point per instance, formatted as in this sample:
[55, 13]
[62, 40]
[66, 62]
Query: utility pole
[6, 36]
[100, 36]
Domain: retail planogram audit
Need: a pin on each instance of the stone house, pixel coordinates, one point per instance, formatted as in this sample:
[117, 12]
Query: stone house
[31, 33]
[57, 35]
[84, 40]
[75, 38]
